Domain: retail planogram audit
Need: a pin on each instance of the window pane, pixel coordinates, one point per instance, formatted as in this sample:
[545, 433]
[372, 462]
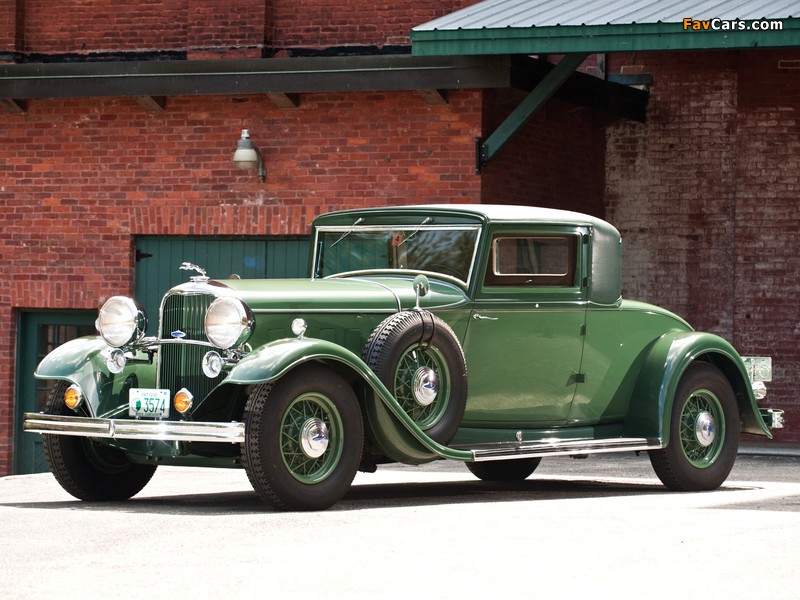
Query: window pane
[448, 251]
[533, 261]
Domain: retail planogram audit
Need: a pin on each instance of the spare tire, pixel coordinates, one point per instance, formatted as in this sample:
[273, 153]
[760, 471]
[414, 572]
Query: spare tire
[420, 360]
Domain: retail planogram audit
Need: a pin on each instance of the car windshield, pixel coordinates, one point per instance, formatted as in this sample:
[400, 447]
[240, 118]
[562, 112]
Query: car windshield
[448, 250]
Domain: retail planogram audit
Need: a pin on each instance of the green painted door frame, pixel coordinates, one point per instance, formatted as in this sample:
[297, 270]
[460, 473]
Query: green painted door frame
[39, 332]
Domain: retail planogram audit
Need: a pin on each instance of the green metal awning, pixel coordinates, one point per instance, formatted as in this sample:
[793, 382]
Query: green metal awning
[587, 26]
[577, 28]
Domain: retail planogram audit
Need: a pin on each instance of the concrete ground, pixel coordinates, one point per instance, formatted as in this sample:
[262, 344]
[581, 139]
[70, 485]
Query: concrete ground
[576, 528]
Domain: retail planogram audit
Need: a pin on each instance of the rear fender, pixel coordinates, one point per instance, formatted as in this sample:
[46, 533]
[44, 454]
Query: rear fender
[389, 425]
[654, 393]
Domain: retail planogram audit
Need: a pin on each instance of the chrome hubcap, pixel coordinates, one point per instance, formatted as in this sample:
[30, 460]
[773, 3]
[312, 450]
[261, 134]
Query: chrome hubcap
[314, 438]
[705, 429]
[426, 385]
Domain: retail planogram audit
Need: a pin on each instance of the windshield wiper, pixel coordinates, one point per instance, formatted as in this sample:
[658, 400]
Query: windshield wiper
[416, 231]
[346, 233]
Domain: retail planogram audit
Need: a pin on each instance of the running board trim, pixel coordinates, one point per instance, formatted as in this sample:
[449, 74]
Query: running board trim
[559, 447]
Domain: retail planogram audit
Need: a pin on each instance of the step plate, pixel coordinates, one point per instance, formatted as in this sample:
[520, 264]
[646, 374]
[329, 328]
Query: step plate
[543, 448]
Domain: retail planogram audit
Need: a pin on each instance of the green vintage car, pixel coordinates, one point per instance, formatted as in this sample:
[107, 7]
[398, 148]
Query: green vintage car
[491, 335]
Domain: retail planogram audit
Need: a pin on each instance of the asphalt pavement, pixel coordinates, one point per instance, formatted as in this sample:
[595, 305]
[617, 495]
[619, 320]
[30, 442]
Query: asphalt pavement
[575, 528]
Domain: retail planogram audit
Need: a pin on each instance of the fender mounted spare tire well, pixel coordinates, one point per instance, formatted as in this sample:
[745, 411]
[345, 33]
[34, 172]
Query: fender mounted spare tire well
[419, 359]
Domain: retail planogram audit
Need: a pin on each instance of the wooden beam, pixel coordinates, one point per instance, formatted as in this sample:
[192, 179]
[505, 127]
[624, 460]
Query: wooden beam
[608, 96]
[152, 103]
[433, 96]
[13, 106]
[548, 86]
[284, 100]
[251, 76]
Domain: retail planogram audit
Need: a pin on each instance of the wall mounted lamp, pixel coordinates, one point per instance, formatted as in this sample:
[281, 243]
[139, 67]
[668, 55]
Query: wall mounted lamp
[248, 156]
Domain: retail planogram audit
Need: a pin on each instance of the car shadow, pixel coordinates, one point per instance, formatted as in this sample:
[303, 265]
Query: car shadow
[375, 496]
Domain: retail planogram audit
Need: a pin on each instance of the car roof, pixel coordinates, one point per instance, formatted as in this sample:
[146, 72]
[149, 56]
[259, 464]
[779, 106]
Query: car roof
[606, 278]
[508, 212]
[489, 212]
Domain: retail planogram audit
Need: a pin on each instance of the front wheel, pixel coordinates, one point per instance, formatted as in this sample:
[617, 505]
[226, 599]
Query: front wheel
[704, 432]
[86, 469]
[304, 437]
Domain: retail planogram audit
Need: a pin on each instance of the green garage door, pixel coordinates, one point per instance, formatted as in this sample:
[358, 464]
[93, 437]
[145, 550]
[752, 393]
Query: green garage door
[158, 261]
[39, 333]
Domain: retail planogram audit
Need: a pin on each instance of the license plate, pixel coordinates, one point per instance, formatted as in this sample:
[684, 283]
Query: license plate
[148, 403]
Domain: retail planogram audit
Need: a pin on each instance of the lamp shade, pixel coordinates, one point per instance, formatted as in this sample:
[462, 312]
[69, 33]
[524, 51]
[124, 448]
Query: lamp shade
[246, 155]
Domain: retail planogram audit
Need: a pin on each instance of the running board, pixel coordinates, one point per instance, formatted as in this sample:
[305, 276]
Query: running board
[553, 447]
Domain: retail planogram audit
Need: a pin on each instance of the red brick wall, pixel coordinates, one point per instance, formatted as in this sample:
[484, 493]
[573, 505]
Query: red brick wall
[210, 28]
[324, 23]
[706, 197]
[11, 17]
[555, 160]
[79, 178]
[64, 26]
[235, 27]
[766, 305]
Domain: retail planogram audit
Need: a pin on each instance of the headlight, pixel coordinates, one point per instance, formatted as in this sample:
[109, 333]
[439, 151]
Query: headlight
[121, 321]
[229, 322]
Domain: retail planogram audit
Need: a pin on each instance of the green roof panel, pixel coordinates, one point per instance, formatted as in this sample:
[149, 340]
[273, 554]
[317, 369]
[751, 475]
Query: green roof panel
[547, 27]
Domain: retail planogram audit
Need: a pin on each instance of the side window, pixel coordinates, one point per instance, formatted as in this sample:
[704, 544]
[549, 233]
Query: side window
[541, 260]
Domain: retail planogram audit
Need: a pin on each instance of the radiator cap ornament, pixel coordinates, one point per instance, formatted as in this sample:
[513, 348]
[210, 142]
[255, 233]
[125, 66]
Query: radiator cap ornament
[187, 266]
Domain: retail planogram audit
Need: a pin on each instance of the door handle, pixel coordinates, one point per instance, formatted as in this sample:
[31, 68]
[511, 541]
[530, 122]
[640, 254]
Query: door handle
[480, 317]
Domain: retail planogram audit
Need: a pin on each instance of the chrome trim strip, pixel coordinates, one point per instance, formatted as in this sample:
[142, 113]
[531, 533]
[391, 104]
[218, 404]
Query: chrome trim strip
[542, 448]
[131, 429]
[145, 342]
[397, 227]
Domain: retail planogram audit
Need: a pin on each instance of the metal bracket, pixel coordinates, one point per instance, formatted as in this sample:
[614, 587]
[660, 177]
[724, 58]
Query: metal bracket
[528, 107]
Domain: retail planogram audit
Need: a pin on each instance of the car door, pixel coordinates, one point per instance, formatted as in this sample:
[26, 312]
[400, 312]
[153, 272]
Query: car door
[525, 336]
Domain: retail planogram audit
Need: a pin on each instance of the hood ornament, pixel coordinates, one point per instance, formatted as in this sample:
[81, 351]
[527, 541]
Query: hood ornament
[187, 266]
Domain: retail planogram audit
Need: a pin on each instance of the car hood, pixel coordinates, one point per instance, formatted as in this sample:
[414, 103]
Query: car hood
[363, 293]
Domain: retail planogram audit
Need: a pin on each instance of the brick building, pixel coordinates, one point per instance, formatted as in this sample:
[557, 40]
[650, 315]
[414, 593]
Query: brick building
[120, 121]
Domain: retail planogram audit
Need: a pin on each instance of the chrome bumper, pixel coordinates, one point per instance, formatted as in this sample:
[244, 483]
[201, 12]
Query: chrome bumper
[130, 429]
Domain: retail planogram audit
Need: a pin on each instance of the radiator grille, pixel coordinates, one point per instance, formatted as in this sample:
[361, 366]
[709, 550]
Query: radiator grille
[181, 364]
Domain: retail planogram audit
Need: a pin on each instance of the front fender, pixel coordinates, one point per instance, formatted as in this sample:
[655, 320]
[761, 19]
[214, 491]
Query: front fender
[395, 431]
[82, 361]
[668, 359]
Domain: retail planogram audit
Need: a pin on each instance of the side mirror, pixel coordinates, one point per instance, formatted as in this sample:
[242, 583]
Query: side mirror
[421, 288]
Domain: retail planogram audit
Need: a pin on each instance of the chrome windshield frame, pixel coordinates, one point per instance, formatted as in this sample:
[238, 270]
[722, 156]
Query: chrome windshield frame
[346, 230]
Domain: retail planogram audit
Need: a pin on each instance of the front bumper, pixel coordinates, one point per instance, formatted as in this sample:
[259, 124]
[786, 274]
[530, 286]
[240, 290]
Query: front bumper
[773, 417]
[131, 429]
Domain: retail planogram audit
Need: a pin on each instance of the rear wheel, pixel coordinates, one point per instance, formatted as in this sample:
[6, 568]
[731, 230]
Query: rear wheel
[504, 470]
[86, 469]
[304, 436]
[704, 432]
